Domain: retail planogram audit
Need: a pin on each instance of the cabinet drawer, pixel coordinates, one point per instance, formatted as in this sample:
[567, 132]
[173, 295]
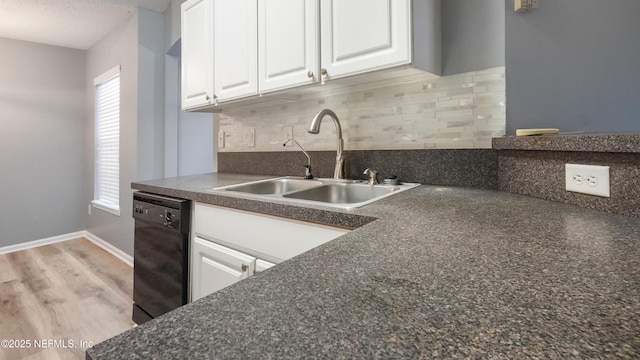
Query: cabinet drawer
[272, 237]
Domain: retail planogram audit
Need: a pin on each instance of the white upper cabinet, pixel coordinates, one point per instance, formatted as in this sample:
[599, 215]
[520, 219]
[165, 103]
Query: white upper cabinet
[288, 43]
[235, 47]
[364, 35]
[238, 49]
[197, 53]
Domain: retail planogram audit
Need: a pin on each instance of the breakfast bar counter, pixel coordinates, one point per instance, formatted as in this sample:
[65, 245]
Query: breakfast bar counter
[433, 272]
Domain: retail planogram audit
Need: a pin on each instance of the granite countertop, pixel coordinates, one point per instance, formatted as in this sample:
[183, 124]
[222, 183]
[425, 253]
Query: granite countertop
[442, 273]
[602, 142]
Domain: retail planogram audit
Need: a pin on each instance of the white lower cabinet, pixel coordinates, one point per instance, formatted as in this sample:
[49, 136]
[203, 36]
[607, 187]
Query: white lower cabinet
[229, 245]
[216, 267]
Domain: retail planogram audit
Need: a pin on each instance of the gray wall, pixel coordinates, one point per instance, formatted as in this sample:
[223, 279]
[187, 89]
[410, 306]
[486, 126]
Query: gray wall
[140, 53]
[151, 90]
[573, 65]
[197, 137]
[190, 137]
[41, 141]
[473, 35]
[172, 24]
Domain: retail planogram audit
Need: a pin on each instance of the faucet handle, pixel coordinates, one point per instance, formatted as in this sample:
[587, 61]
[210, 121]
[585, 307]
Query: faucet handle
[373, 176]
[307, 172]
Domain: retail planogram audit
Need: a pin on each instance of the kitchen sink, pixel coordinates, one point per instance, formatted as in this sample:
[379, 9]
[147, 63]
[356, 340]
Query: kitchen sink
[274, 186]
[345, 194]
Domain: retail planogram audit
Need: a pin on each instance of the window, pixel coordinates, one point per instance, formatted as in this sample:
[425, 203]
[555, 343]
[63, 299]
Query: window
[107, 138]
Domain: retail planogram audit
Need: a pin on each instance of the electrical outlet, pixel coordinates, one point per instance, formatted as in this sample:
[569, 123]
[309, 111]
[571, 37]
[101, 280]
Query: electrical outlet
[587, 179]
[221, 139]
[288, 134]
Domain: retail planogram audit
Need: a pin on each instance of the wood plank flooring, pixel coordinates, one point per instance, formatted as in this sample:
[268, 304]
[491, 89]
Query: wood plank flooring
[57, 298]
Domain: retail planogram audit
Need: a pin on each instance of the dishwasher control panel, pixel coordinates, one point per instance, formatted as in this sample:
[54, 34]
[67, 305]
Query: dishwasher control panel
[159, 210]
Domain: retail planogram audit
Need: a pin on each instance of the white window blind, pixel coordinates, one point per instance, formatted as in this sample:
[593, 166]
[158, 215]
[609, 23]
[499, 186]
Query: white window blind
[107, 150]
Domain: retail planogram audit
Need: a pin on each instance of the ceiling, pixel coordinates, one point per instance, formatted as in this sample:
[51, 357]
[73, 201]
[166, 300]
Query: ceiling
[69, 23]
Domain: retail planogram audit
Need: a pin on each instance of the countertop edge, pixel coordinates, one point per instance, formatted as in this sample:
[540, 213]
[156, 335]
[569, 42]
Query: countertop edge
[444, 272]
[347, 220]
[614, 142]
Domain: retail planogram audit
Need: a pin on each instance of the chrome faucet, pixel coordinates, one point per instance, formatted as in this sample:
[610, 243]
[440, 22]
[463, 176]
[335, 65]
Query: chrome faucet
[314, 128]
[307, 174]
[373, 176]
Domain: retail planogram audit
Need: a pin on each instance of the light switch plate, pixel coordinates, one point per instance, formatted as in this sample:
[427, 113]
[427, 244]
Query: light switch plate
[288, 134]
[250, 137]
[587, 179]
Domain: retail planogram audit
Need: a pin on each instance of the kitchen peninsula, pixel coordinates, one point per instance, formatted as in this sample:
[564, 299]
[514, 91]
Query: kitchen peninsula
[441, 272]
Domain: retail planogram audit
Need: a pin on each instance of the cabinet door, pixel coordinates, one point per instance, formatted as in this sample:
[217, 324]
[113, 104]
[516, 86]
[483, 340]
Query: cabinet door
[364, 35]
[235, 48]
[288, 38]
[215, 267]
[197, 53]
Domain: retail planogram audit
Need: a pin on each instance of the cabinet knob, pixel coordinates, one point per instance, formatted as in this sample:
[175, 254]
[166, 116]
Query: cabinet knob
[207, 98]
[310, 74]
[245, 267]
[323, 72]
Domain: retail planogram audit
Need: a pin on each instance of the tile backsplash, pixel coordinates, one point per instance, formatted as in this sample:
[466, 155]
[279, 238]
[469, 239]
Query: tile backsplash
[461, 111]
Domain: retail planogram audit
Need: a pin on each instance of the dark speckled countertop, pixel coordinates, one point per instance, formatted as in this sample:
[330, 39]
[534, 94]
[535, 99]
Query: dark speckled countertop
[442, 273]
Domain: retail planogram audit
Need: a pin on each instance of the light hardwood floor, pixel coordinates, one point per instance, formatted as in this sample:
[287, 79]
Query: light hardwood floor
[55, 295]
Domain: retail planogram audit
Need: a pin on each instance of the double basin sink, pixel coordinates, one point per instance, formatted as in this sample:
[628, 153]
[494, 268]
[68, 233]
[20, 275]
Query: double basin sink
[344, 194]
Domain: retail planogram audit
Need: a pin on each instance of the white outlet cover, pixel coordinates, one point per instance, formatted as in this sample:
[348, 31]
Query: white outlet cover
[587, 179]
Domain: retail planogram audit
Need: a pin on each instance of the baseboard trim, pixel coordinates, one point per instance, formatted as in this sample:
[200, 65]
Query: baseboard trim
[121, 255]
[41, 242]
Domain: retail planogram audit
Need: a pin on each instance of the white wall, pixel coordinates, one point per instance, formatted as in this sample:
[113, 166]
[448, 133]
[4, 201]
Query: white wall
[41, 141]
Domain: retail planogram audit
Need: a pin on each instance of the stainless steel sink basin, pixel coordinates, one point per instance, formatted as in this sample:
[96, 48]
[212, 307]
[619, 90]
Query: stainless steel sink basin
[274, 186]
[343, 193]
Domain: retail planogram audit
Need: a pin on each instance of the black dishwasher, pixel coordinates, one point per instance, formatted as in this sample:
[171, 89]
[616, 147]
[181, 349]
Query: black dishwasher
[160, 255]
